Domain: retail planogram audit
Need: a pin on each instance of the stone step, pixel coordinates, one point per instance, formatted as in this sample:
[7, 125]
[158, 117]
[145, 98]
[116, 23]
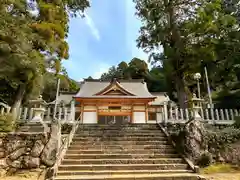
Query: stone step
[132, 177]
[140, 125]
[161, 148]
[124, 138]
[120, 142]
[119, 129]
[117, 155]
[120, 133]
[120, 172]
[123, 161]
[94, 167]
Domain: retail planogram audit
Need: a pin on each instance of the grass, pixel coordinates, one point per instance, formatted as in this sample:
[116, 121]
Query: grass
[24, 175]
[221, 172]
[220, 168]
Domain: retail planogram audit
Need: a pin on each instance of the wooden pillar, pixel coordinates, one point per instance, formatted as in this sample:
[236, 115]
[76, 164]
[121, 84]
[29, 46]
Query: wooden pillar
[131, 113]
[97, 111]
[82, 111]
[146, 113]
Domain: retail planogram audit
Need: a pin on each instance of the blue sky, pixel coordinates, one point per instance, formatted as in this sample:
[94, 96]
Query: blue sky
[105, 37]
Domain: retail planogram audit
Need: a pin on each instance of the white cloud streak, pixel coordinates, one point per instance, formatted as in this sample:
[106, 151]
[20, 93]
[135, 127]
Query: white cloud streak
[92, 26]
[102, 68]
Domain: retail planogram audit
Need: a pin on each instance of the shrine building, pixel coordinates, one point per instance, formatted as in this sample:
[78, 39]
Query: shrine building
[118, 101]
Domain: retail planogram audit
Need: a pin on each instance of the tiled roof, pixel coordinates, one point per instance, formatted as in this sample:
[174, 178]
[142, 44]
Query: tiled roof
[161, 98]
[90, 88]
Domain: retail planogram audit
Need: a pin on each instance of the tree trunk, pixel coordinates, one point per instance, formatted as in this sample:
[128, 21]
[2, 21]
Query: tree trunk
[181, 93]
[19, 97]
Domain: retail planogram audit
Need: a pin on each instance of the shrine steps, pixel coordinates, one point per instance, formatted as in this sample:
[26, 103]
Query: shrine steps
[126, 152]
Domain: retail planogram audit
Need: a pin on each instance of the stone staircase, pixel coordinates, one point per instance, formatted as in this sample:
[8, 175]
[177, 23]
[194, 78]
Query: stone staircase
[123, 152]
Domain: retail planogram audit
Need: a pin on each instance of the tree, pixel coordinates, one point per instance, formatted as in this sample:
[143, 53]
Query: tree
[30, 43]
[156, 80]
[112, 73]
[138, 69]
[50, 85]
[122, 70]
[20, 62]
[192, 35]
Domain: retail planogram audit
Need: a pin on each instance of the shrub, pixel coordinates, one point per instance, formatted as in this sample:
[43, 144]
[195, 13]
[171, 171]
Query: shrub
[6, 123]
[237, 122]
[220, 139]
[205, 159]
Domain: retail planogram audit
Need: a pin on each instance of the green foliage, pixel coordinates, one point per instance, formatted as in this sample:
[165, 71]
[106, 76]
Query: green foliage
[50, 85]
[218, 140]
[237, 122]
[20, 61]
[205, 159]
[6, 123]
[227, 99]
[209, 36]
[30, 44]
[138, 69]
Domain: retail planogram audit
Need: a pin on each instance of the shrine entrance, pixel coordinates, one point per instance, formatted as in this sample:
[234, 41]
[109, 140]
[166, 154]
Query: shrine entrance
[116, 119]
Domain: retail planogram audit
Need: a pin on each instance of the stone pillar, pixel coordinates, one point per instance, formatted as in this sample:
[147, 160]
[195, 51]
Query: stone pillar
[165, 112]
[72, 110]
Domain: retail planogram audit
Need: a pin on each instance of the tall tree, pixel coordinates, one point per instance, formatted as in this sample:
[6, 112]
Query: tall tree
[122, 70]
[20, 62]
[189, 32]
[31, 42]
[112, 73]
[138, 69]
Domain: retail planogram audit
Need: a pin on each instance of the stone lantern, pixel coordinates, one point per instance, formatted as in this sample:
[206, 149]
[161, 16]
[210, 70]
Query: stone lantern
[38, 107]
[196, 104]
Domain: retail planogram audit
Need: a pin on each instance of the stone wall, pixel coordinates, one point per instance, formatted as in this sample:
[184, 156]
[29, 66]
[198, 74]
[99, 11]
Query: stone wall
[212, 143]
[23, 150]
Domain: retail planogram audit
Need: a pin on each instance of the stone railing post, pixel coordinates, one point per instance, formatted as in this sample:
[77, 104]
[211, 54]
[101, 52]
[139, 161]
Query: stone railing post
[165, 112]
[73, 110]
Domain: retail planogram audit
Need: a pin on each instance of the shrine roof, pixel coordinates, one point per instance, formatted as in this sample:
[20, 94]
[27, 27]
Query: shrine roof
[114, 89]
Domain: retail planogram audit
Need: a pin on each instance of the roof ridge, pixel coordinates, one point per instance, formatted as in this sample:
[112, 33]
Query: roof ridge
[119, 80]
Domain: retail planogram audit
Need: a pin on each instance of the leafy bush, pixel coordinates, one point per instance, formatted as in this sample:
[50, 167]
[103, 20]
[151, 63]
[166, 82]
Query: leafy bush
[237, 122]
[220, 139]
[6, 123]
[205, 159]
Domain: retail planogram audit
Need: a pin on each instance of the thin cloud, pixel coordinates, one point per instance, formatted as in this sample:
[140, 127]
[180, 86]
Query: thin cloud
[92, 26]
[102, 69]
